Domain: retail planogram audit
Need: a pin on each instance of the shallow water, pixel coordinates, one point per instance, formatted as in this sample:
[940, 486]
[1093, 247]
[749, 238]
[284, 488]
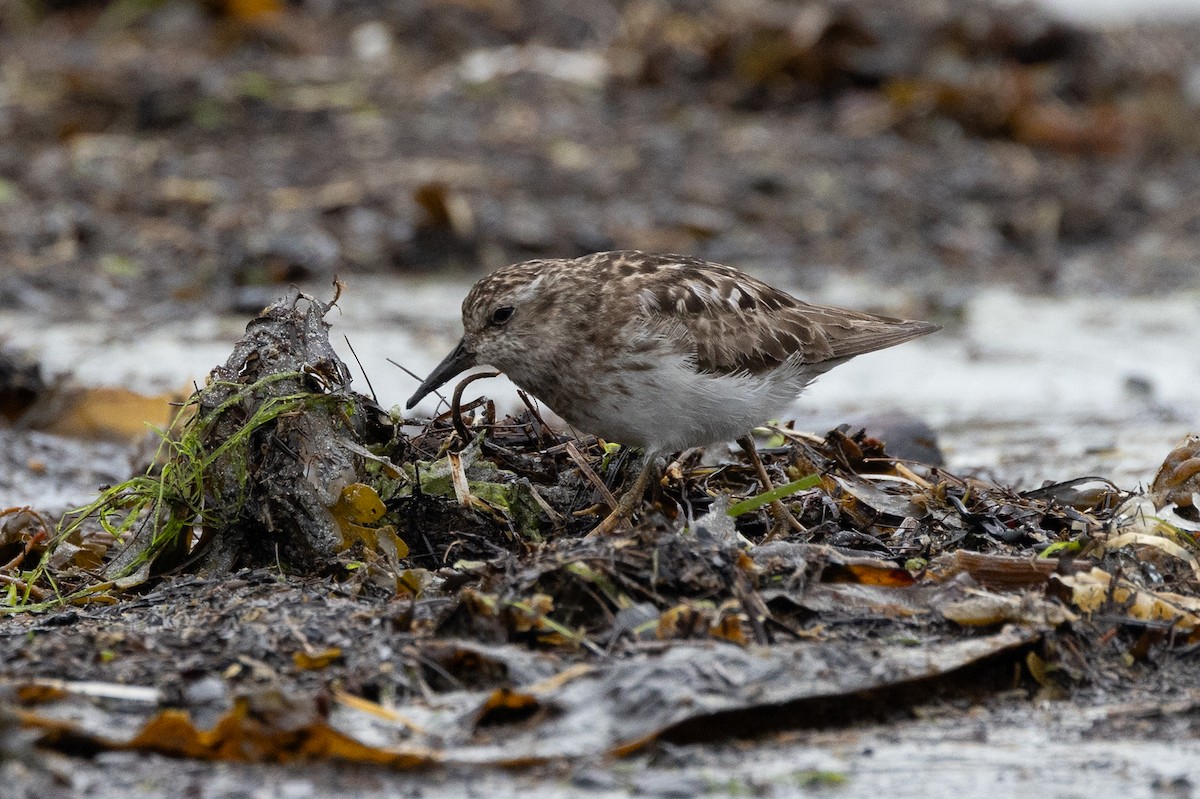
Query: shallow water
[1029, 388]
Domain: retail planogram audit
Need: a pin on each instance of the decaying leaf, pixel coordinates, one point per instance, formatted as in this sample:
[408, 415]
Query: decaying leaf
[1178, 479]
[986, 608]
[616, 707]
[995, 571]
[1096, 590]
[111, 414]
[316, 660]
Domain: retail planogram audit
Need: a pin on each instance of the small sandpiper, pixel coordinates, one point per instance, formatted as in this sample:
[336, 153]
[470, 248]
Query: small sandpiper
[658, 351]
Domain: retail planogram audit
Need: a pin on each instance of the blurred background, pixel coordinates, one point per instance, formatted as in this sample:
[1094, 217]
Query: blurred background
[1025, 174]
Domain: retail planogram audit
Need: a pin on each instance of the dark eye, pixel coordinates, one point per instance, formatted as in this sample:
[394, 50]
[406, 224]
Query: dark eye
[501, 315]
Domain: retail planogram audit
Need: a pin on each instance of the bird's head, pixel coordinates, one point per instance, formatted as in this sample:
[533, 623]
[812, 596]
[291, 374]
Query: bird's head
[499, 318]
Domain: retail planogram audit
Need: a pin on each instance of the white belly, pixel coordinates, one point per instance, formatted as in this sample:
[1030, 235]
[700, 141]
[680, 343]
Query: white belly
[671, 407]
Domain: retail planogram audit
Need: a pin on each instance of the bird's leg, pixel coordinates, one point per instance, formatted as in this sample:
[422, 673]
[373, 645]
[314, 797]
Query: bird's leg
[782, 515]
[628, 501]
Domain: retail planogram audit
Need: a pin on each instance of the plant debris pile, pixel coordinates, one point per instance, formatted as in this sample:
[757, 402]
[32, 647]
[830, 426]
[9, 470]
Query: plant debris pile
[284, 438]
[440, 600]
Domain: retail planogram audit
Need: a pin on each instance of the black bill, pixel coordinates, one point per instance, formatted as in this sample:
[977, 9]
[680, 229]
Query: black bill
[457, 361]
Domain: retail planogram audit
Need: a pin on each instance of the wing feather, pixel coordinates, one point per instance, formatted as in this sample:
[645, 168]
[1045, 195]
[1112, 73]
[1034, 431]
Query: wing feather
[729, 322]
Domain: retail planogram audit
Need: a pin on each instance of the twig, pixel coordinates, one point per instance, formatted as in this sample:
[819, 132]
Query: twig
[415, 376]
[33, 590]
[358, 361]
[590, 475]
[456, 403]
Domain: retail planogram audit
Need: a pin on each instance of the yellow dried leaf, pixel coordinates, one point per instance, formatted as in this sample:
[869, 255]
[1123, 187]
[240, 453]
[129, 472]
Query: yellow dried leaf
[313, 661]
[531, 614]
[110, 414]
[247, 737]
[872, 574]
[414, 581]
[508, 699]
[1091, 590]
[359, 504]
[250, 9]
[356, 508]
[729, 627]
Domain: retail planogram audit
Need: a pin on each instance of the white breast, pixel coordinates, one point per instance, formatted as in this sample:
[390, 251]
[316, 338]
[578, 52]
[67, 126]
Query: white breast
[671, 407]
